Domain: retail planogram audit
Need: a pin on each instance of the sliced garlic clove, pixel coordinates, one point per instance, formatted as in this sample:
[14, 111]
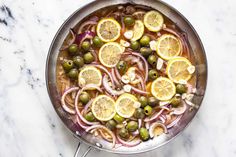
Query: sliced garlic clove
[127, 88]
[191, 69]
[160, 63]
[153, 45]
[125, 79]
[128, 34]
[124, 43]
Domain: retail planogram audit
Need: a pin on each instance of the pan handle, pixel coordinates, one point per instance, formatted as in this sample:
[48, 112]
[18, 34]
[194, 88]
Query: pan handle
[78, 151]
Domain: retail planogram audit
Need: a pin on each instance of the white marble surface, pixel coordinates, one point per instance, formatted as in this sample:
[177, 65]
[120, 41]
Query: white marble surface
[30, 127]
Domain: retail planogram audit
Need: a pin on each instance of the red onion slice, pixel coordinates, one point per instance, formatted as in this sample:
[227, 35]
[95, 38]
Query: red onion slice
[106, 71]
[109, 89]
[139, 91]
[155, 116]
[83, 36]
[108, 131]
[63, 103]
[144, 61]
[80, 30]
[179, 110]
[71, 41]
[76, 103]
[117, 73]
[154, 125]
[139, 123]
[81, 123]
[129, 144]
[174, 122]
[114, 76]
[88, 105]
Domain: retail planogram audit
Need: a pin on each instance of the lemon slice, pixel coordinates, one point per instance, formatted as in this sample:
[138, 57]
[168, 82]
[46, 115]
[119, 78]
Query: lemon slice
[103, 108]
[163, 88]
[177, 69]
[153, 20]
[125, 105]
[108, 29]
[138, 30]
[168, 46]
[90, 75]
[110, 53]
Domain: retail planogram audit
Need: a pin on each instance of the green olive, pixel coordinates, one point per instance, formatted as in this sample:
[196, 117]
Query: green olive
[145, 51]
[143, 100]
[78, 61]
[152, 74]
[129, 21]
[144, 134]
[123, 133]
[68, 65]
[85, 45]
[84, 97]
[148, 110]
[73, 73]
[135, 45]
[97, 42]
[139, 113]
[121, 66]
[152, 101]
[111, 124]
[89, 117]
[152, 59]
[118, 118]
[88, 58]
[144, 41]
[175, 101]
[132, 126]
[180, 88]
[73, 49]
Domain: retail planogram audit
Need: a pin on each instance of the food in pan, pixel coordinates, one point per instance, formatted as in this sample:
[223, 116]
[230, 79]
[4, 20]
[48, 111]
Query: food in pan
[126, 75]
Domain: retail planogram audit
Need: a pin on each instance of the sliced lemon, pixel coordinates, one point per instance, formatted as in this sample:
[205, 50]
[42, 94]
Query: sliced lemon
[163, 88]
[90, 75]
[125, 105]
[110, 53]
[138, 30]
[108, 29]
[178, 69]
[153, 20]
[103, 108]
[168, 46]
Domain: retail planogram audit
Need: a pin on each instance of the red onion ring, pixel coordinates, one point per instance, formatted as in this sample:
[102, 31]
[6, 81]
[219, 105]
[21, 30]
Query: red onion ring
[83, 36]
[174, 122]
[81, 123]
[162, 119]
[114, 76]
[71, 41]
[88, 105]
[108, 131]
[139, 91]
[104, 136]
[128, 144]
[85, 24]
[147, 125]
[117, 73]
[141, 82]
[144, 60]
[139, 123]
[155, 116]
[76, 103]
[153, 126]
[106, 71]
[63, 103]
[135, 133]
[95, 56]
[109, 89]
[179, 110]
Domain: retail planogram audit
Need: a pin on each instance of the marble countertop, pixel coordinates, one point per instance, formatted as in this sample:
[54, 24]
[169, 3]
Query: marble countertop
[29, 125]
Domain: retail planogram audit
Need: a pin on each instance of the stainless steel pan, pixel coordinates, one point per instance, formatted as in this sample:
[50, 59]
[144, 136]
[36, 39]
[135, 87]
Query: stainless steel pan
[197, 51]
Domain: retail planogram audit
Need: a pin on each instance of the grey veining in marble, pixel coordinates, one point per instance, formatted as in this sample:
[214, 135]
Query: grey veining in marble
[29, 125]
